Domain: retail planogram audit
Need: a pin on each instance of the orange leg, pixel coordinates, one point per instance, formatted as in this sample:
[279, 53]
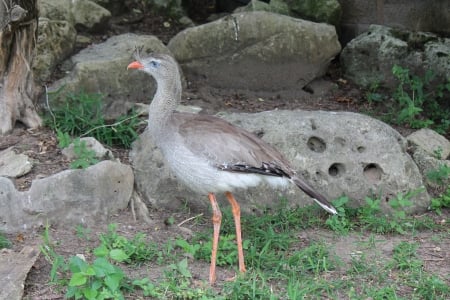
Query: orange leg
[216, 219]
[237, 222]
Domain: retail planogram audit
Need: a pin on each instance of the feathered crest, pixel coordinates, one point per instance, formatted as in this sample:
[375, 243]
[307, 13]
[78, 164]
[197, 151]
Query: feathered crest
[137, 52]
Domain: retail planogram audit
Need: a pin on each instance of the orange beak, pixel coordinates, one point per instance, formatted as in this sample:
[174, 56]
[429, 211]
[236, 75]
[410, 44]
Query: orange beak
[135, 65]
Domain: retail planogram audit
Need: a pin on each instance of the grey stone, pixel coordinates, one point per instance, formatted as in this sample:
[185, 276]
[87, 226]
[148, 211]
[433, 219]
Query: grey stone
[14, 268]
[102, 69]
[326, 11]
[274, 6]
[431, 142]
[428, 163]
[82, 14]
[56, 40]
[70, 197]
[91, 144]
[369, 57]
[14, 165]
[414, 15]
[258, 51]
[339, 153]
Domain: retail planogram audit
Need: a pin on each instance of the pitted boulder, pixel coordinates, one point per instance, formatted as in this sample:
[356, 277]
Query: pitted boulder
[339, 153]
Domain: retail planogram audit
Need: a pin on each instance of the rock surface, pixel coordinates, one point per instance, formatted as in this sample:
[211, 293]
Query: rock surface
[339, 153]
[91, 144]
[256, 51]
[369, 58]
[82, 14]
[14, 165]
[102, 68]
[431, 142]
[417, 15]
[70, 197]
[14, 268]
[56, 40]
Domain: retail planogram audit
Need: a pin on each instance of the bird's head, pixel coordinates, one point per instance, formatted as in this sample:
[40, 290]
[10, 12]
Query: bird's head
[160, 66]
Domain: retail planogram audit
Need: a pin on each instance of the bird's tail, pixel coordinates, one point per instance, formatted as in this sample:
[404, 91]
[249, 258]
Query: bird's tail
[320, 199]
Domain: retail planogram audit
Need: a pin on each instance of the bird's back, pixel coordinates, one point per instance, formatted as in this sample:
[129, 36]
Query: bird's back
[219, 156]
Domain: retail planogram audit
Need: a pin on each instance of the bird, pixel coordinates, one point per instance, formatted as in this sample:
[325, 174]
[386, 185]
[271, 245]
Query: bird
[210, 155]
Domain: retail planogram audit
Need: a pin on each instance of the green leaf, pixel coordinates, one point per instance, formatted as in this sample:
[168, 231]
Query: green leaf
[101, 251]
[78, 279]
[182, 267]
[113, 281]
[76, 264]
[90, 293]
[118, 255]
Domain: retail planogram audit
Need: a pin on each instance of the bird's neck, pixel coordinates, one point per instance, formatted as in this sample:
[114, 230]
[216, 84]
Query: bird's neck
[165, 101]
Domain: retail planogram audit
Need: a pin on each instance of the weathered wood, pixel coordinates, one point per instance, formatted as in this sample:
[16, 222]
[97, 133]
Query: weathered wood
[14, 268]
[18, 33]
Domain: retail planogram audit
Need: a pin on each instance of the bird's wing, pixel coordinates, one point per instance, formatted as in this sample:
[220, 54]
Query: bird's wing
[228, 147]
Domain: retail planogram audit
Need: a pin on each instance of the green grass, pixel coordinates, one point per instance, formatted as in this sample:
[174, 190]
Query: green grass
[280, 265]
[81, 115]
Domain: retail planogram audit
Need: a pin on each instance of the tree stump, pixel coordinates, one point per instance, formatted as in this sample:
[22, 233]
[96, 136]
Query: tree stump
[18, 91]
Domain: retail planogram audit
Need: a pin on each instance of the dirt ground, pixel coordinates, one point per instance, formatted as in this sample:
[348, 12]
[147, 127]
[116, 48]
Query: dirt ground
[41, 146]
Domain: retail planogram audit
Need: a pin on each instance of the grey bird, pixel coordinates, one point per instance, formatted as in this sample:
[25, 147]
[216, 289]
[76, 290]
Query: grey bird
[210, 155]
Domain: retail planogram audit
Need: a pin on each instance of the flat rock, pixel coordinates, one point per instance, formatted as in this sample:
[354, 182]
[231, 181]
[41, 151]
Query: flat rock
[14, 165]
[91, 144]
[70, 197]
[14, 268]
[338, 153]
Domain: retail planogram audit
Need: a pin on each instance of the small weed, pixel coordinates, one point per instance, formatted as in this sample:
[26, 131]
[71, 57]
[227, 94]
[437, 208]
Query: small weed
[372, 95]
[419, 105]
[4, 242]
[85, 157]
[82, 232]
[137, 250]
[340, 223]
[440, 175]
[99, 280]
[405, 256]
[431, 287]
[443, 201]
[57, 261]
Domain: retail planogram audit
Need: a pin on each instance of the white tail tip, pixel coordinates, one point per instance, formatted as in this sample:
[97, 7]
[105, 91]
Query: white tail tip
[329, 209]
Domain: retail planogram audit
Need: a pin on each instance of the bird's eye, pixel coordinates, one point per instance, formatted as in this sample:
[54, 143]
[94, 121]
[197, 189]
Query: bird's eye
[154, 64]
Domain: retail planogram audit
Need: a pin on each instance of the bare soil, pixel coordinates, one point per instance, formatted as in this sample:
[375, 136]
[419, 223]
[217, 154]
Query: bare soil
[41, 146]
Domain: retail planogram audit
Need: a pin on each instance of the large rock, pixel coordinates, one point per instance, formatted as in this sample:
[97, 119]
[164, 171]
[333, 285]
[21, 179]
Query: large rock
[431, 142]
[70, 197]
[82, 14]
[416, 15]
[102, 69]
[327, 11]
[259, 51]
[56, 41]
[274, 6]
[339, 153]
[369, 58]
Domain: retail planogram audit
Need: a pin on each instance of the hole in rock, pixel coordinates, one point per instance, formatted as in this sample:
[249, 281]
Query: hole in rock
[336, 169]
[316, 144]
[372, 172]
[361, 149]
